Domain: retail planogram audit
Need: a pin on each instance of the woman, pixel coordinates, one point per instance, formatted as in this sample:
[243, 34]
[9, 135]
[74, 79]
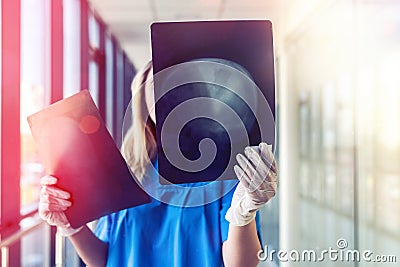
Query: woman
[223, 232]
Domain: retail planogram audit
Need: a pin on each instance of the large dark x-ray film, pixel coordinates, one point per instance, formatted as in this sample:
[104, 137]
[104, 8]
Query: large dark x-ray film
[214, 95]
[75, 146]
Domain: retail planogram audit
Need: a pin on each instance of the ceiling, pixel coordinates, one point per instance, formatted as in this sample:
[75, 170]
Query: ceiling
[129, 20]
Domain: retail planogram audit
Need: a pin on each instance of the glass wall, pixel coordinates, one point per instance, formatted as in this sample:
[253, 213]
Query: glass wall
[94, 42]
[378, 127]
[35, 91]
[72, 47]
[118, 95]
[343, 67]
[41, 46]
[35, 246]
[109, 54]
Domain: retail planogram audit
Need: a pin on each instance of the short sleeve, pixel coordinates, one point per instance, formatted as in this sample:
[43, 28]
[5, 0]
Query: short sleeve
[103, 228]
[224, 224]
[225, 204]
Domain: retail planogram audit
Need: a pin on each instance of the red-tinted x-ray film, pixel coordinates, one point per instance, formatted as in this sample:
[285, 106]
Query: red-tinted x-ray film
[75, 146]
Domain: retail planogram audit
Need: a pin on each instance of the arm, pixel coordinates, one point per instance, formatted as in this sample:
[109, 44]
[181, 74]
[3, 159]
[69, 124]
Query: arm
[258, 181]
[242, 246]
[92, 250]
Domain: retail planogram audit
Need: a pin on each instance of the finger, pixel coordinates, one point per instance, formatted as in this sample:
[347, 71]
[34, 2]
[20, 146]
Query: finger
[270, 186]
[245, 180]
[264, 174]
[57, 219]
[245, 164]
[267, 156]
[255, 179]
[48, 180]
[269, 191]
[255, 158]
[56, 192]
[273, 171]
[43, 213]
[274, 177]
[266, 150]
[51, 207]
[241, 175]
[46, 198]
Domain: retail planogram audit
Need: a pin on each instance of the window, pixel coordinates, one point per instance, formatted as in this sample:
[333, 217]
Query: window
[94, 44]
[72, 47]
[109, 53]
[343, 70]
[46, 48]
[35, 93]
[378, 128]
[118, 93]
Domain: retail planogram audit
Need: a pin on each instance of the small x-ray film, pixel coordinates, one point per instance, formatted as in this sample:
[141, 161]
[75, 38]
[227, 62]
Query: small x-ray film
[75, 146]
[214, 95]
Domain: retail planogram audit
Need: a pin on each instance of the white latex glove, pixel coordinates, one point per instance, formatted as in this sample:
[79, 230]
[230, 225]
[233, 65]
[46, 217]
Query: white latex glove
[258, 176]
[53, 202]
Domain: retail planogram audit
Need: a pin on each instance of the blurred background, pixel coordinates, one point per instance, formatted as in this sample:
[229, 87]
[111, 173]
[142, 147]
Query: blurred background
[337, 66]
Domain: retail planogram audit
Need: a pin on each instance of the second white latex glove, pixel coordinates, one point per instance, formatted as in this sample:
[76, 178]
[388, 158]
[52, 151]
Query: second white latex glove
[53, 202]
[258, 176]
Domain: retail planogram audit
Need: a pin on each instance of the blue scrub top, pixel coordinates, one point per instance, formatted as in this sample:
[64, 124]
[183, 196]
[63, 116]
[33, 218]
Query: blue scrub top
[158, 234]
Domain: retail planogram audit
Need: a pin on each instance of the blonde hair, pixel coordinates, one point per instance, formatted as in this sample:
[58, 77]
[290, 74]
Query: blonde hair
[139, 144]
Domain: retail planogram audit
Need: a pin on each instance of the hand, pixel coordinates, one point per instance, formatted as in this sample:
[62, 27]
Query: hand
[53, 202]
[258, 176]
